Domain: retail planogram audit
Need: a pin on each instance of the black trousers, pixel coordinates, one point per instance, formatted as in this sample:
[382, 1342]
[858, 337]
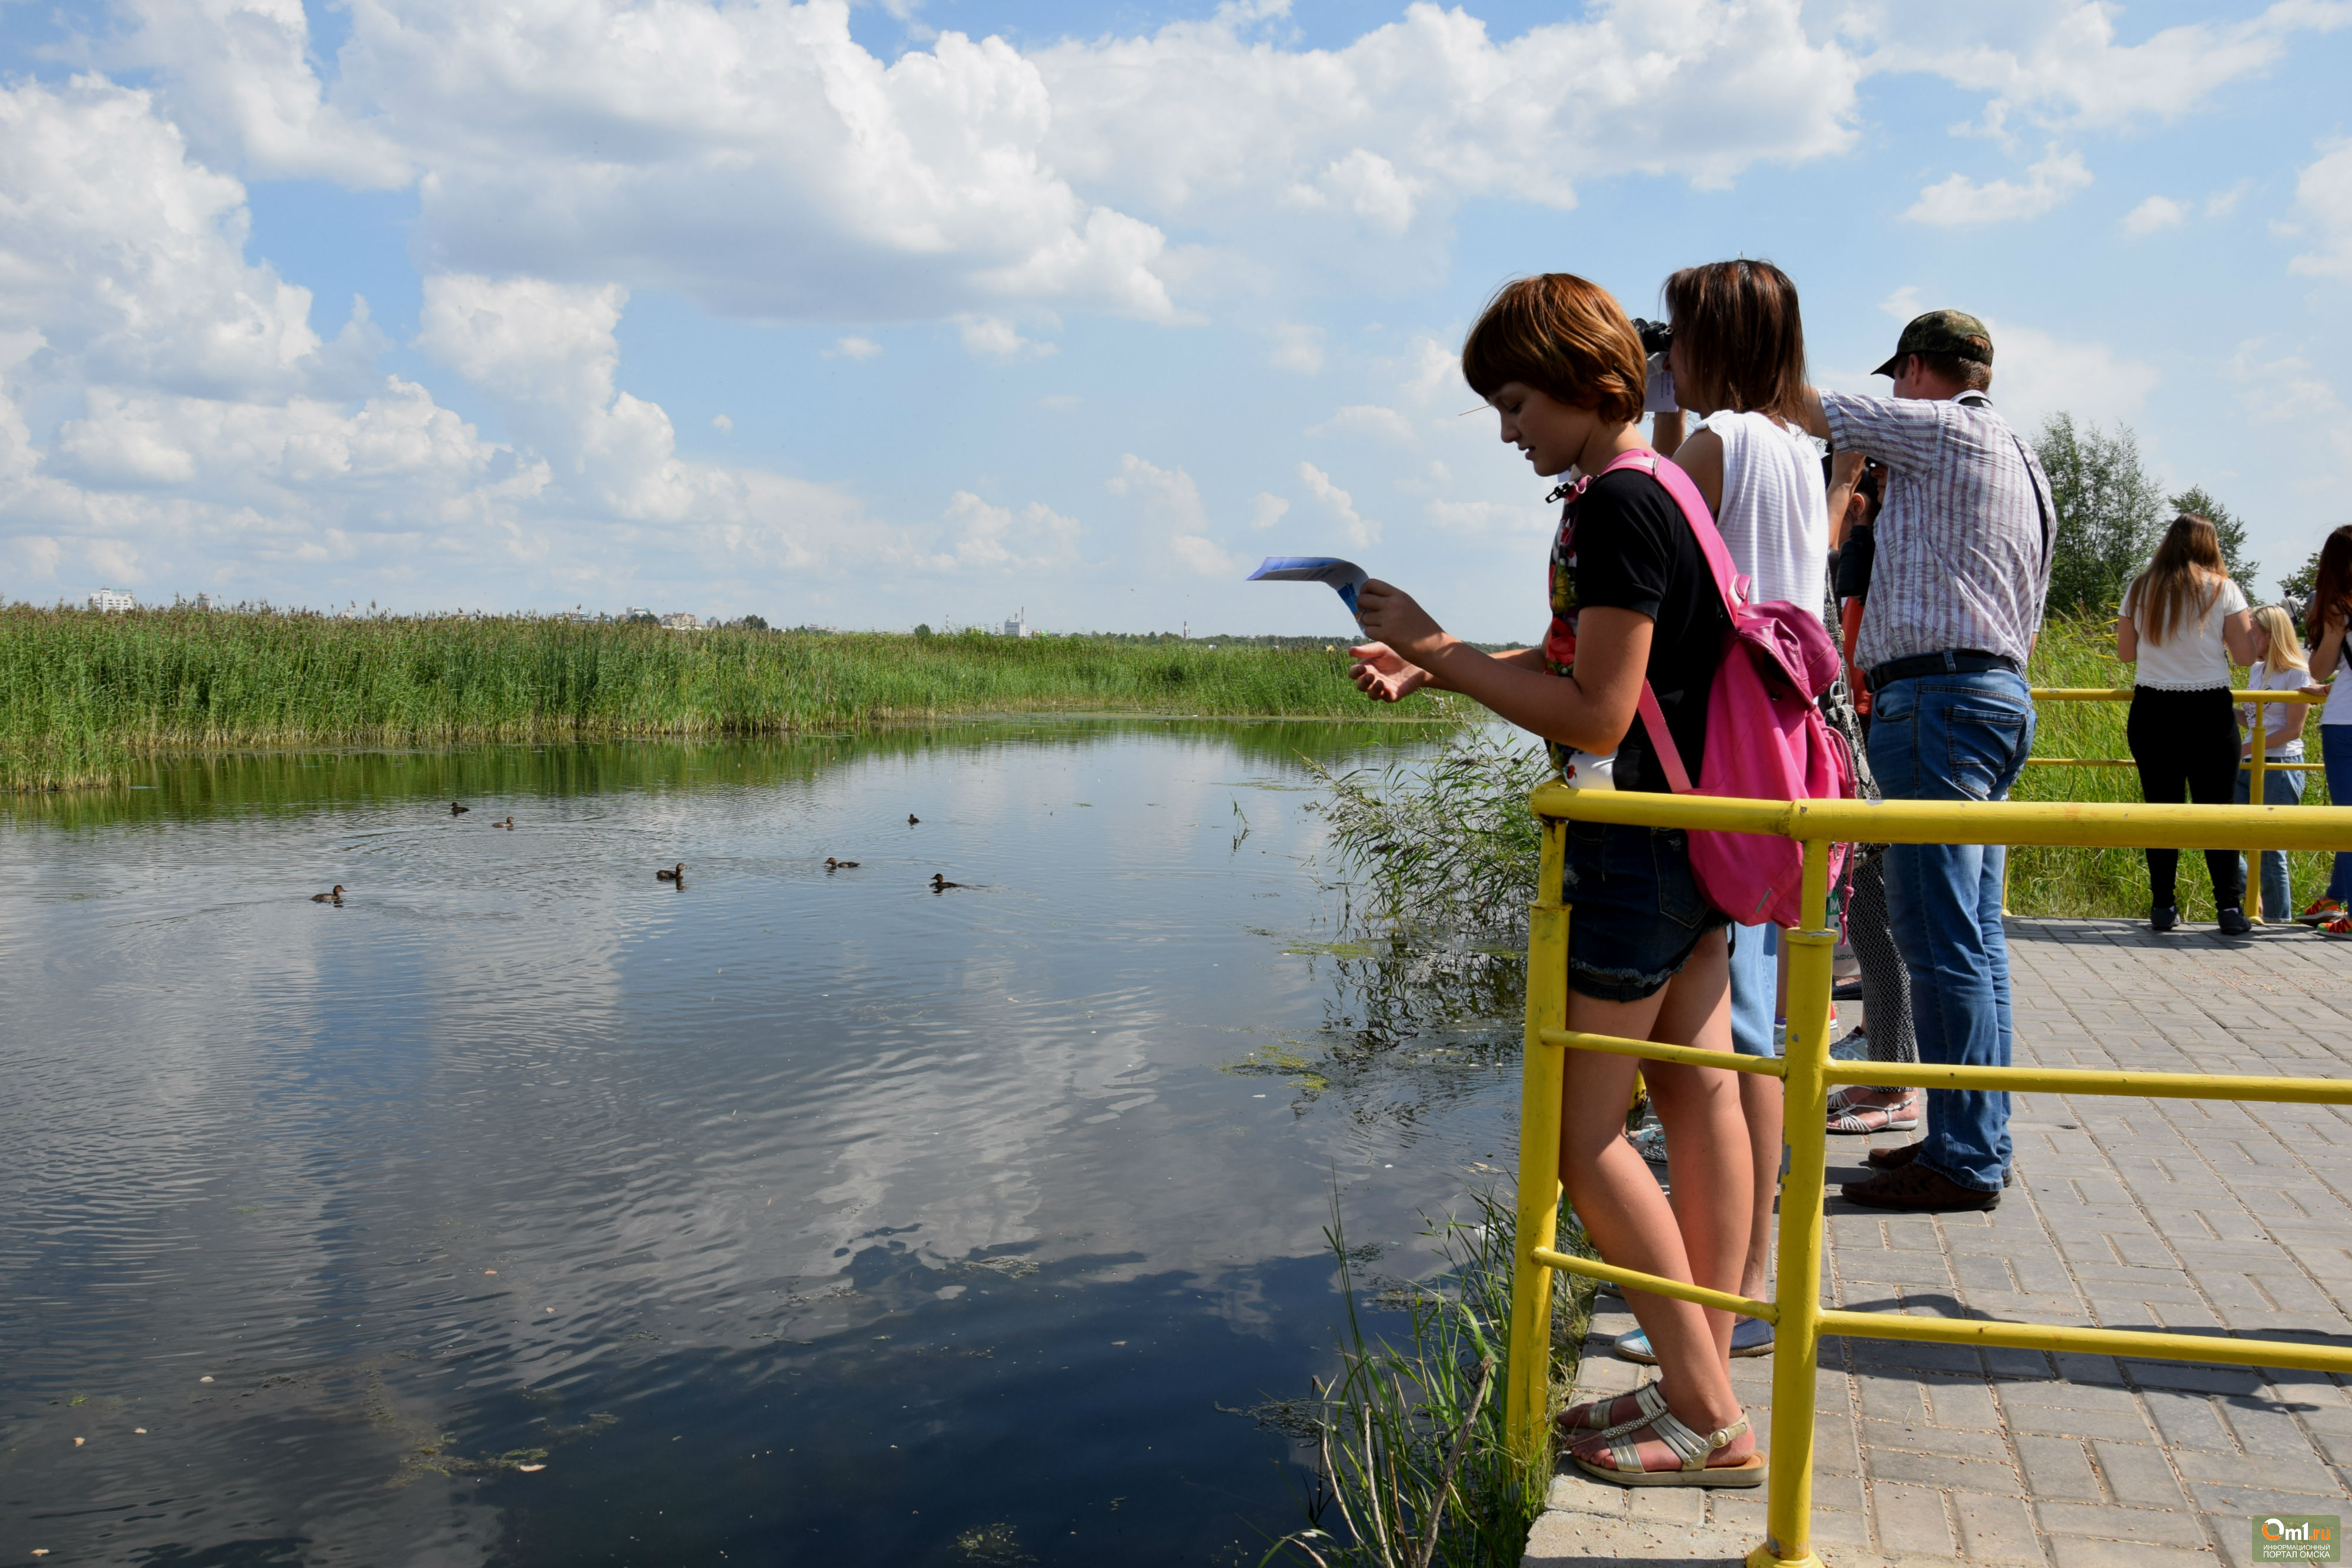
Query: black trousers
[2185, 744]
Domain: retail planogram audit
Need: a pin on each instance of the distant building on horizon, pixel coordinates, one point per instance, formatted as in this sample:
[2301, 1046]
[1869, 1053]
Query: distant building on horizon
[112, 599]
[681, 621]
[1019, 625]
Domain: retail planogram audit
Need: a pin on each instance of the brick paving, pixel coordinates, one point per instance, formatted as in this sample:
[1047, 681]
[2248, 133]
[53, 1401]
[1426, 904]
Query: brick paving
[2177, 1215]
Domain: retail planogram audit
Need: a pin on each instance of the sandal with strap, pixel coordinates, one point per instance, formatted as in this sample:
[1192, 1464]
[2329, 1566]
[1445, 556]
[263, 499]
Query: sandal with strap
[1903, 1116]
[1692, 1451]
[1583, 1422]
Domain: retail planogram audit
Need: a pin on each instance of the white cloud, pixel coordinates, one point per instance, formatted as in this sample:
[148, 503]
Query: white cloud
[2154, 214]
[1902, 304]
[1359, 529]
[2222, 203]
[1481, 519]
[2323, 201]
[1961, 201]
[1172, 511]
[986, 536]
[851, 349]
[1367, 419]
[2036, 374]
[1298, 348]
[1434, 372]
[996, 337]
[1266, 510]
[721, 424]
[2059, 64]
[2290, 391]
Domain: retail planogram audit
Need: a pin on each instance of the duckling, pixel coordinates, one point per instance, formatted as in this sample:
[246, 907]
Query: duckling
[912, 818]
[334, 897]
[507, 823]
[832, 865]
[458, 811]
[940, 883]
[676, 875]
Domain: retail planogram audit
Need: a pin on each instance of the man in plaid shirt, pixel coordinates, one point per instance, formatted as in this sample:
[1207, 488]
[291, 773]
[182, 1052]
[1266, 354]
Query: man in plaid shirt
[1965, 533]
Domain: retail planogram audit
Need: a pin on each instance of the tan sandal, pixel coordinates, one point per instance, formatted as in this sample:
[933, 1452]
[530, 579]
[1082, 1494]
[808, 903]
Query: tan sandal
[1585, 1422]
[1625, 1468]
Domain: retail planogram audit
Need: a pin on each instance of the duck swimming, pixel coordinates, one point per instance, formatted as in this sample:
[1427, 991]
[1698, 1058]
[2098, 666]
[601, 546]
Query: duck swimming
[507, 823]
[912, 818]
[458, 811]
[334, 897]
[676, 874]
[832, 865]
[940, 883]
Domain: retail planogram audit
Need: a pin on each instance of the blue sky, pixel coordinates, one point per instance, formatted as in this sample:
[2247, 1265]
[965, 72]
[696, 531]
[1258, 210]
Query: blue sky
[866, 315]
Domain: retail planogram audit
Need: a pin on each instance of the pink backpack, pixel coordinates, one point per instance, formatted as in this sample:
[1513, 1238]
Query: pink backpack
[1766, 737]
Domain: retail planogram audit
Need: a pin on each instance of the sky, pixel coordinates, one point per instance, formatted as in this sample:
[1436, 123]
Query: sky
[933, 310]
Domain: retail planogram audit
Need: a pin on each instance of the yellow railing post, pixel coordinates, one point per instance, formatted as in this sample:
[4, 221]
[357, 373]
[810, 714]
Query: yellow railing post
[1796, 1343]
[2257, 760]
[1528, 1396]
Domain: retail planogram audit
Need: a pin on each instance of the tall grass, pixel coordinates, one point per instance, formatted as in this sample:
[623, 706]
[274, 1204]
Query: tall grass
[1412, 1466]
[83, 694]
[2049, 879]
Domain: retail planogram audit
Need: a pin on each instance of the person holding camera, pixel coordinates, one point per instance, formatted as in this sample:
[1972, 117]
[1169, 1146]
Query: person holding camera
[1964, 545]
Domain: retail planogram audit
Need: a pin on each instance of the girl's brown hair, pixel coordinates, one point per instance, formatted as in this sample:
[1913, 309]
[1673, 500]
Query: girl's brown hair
[1742, 337]
[1567, 338]
[2331, 593]
[2185, 572]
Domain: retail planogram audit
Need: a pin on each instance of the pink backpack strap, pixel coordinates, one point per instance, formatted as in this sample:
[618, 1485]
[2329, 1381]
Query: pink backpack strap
[1666, 472]
[1662, 742]
[1728, 583]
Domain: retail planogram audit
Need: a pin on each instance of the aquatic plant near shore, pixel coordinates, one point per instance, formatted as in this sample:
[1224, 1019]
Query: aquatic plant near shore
[1411, 1463]
[83, 695]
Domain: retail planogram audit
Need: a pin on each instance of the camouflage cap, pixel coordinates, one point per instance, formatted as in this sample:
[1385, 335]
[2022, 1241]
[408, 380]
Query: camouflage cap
[1951, 333]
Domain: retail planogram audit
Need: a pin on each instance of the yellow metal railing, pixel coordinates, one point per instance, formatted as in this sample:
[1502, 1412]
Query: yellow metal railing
[1808, 1073]
[2258, 764]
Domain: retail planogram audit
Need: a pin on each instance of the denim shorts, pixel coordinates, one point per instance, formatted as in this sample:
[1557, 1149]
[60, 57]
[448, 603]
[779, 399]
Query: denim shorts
[1635, 911]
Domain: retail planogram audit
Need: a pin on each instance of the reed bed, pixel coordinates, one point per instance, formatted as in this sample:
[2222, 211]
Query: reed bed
[83, 695]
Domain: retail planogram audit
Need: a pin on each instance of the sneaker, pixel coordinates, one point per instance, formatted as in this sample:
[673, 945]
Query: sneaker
[1749, 1337]
[2235, 922]
[2320, 912]
[1650, 1143]
[2163, 916]
[2341, 928]
[1917, 1189]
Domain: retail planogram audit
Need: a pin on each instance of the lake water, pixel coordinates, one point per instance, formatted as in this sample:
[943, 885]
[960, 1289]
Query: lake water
[785, 1217]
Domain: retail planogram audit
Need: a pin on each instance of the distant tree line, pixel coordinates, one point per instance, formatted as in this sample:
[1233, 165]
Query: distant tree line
[2110, 515]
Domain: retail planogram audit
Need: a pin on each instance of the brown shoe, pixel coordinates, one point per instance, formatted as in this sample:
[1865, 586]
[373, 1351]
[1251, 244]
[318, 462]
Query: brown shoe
[1893, 1159]
[1917, 1189]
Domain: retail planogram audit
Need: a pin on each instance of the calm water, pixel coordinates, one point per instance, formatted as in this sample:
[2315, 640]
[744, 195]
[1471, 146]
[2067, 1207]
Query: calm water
[782, 1218]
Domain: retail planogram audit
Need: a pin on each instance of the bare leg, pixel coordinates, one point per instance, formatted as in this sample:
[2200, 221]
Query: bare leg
[1701, 1236]
[1760, 1106]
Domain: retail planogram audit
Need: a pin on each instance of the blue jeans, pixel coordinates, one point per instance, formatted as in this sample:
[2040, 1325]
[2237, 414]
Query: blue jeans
[2336, 752]
[1956, 736]
[2279, 789]
[1755, 988]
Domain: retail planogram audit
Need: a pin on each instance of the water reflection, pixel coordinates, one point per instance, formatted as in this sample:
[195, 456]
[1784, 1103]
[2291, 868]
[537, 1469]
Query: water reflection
[526, 1208]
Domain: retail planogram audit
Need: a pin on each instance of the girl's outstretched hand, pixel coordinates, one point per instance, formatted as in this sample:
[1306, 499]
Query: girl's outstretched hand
[1382, 676]
[1392, 616]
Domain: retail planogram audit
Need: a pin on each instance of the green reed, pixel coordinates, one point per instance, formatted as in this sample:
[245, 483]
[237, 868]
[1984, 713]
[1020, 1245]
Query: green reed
[84, 695]
[1412, 1464]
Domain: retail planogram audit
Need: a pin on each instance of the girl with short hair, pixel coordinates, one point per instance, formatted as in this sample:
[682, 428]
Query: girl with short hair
[2280, 666]
[1633, 600]
[2184, 623]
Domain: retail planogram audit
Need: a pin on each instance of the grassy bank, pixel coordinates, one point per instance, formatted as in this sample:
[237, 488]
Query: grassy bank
[83, 695]
[2072, 882]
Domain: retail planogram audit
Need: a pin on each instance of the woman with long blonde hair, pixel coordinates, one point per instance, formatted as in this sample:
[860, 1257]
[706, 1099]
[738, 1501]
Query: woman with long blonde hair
[2184, 623]
[2279, 665]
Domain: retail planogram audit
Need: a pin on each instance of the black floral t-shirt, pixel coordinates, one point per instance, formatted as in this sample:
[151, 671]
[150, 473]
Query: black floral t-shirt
[1623, 543]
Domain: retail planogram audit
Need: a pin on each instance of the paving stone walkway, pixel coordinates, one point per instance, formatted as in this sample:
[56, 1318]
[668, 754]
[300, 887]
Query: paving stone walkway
[2178, 1215]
